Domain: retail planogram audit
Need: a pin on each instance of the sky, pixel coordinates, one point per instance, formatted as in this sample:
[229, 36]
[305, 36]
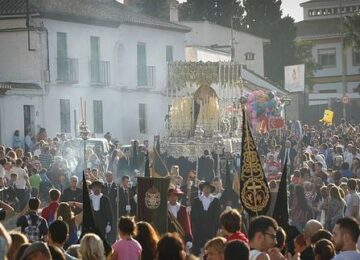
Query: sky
[290, 7]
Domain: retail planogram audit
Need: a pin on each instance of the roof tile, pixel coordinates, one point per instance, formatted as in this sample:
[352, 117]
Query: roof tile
[86, 11]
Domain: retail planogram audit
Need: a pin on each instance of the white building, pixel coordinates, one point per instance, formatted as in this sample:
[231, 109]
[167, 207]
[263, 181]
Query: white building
[209, 42]
[195, 53]
[248, 48]
[97, 50]
[322, 26]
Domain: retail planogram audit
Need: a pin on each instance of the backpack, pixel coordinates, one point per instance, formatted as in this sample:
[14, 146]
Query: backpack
[32, 231]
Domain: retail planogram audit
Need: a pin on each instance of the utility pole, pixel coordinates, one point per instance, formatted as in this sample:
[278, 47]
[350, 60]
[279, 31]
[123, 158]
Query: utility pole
[232, 40]
[343, 60]
[232, 36]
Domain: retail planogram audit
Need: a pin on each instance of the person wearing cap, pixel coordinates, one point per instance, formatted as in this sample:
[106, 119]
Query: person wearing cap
[205, 212]
[179, 216]
[101, 208]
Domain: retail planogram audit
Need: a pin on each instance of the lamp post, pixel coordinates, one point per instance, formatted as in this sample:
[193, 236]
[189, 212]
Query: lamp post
[84, 134]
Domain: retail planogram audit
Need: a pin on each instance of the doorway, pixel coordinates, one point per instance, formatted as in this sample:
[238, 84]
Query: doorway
[29, 117]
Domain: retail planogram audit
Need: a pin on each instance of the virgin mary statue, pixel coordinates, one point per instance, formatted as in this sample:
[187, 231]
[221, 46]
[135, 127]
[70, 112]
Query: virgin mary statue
[205, 109]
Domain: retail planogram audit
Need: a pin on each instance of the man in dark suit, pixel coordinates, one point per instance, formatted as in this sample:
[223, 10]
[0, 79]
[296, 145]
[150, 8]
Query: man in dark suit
[111, 191]
[287, 153]
[206, 167]
[101, 208]
[127, 205]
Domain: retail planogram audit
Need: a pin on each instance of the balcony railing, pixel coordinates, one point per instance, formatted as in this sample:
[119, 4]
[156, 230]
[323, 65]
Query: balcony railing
[100, 72]
[67, 70]
[146, 76]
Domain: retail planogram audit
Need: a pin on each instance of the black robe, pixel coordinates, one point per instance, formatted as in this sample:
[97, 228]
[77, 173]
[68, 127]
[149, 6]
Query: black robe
[104, 215]
[206, 168]
[111, 193]
[204, 224]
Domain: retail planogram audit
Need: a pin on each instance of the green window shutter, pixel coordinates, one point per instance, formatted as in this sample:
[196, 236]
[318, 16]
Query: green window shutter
[62, 59]
[95, 48]
[61, 45]
[95, 58]
[141, 64]
[169, 53]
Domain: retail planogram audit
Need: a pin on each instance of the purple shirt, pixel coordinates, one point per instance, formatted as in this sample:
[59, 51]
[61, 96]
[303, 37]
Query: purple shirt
[128, 249]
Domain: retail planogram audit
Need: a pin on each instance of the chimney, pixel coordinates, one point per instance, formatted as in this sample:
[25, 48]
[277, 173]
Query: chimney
[174, 11]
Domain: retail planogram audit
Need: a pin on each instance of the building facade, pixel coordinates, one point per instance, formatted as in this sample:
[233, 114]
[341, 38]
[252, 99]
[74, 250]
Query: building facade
[338, 75]
[96, 50]
[247, 49]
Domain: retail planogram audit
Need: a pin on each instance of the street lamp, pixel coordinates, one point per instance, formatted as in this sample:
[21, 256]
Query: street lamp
[84, 134]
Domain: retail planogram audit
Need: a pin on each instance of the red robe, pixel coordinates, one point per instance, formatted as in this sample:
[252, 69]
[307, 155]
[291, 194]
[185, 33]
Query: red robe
[184, 220]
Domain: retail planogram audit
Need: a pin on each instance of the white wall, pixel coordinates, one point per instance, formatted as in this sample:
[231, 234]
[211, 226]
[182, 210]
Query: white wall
[328, 86]
[206, 34]
[195, 54]
[351, 68]
[12, 114]
[17, 63]
[120, 100]
[120, 108]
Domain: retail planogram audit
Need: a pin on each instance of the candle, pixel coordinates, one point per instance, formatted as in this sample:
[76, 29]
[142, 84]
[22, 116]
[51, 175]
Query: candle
[82, 112]
[85, 110]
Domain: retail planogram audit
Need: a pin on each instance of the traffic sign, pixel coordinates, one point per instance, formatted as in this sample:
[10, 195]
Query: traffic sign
[345, 99]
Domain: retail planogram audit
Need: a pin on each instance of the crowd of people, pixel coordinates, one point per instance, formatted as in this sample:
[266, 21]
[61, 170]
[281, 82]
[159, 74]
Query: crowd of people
[41, 186]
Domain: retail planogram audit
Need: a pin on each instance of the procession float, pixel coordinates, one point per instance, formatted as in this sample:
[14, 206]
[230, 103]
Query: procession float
[205, 101]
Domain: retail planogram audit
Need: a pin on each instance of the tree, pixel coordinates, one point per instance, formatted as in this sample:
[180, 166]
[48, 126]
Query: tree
[225, 9]
[303, 55]
[155, 8]
[281, 51]
[261, 15]
[216, 11]
[352, 31]
[263, 18]
[197, 10]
